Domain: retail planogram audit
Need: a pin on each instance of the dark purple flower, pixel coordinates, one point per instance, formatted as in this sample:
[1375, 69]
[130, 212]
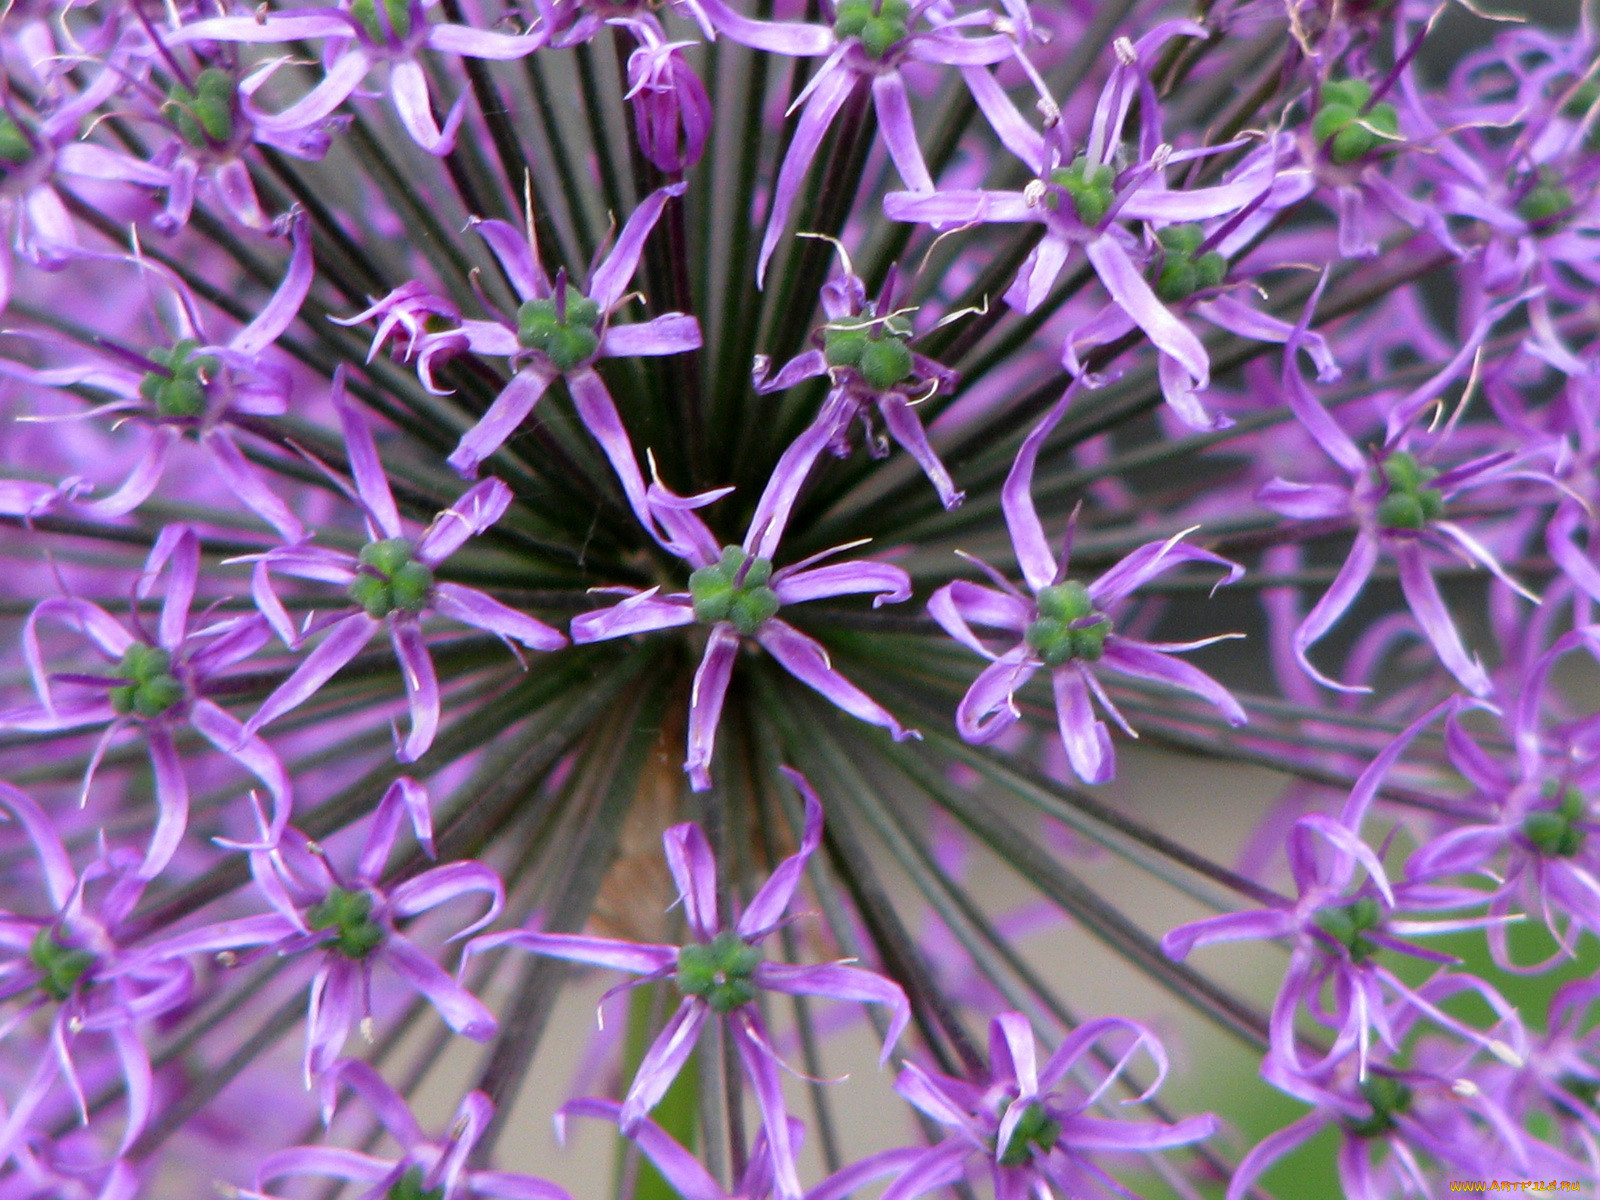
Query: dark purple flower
[671, 111]
[719, 975]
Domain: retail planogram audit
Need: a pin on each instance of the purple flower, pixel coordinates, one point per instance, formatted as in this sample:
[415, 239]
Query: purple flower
[361, 35]
[560, 331]
[426, 1169]
[1339, 929]
[865, 352]
[1033, 1126]
[866, 43]
[72, 961]
[194, 386]
[391, 583]
[1397, 500]
[736, 591]
[157, 683]
[719, 975]
[1065, 628]
[671, 111]
[425, 327]
[348, 920]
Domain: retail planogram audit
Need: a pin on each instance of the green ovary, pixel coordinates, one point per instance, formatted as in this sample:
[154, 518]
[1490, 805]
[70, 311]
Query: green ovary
[391, 579]
[16, 147]
[734, 589]
[1349, 129]
[878, 350]
[1349, 925]
[203, 116]
[1556, 832]
[397, 11]
[719, 972]
[568, 343]
[1056, 635]
[350, 913]
[62, 967]
[878, 30]
[1034, 1128]
[1183, 272]
[178, 389]
[151, 689]
[409, 1187]
[1089, 187]
[1388, 1097]
[1410, 503]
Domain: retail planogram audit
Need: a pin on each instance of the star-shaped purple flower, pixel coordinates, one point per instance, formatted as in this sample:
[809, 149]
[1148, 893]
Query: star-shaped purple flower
[719, 974]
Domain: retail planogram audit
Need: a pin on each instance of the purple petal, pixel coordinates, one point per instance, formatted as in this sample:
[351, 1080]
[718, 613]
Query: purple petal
[449, 882]
[1083, 734]
[598, 412]
[172, 802]
[331, 1010]
[497, 425]
[266, 929]
[889, 583]
[478, 508]
[1011, 1055]
[960, 207]
[391, 1109]
[1341, 594]
[841, 983]
[405, 797]
[830, 89]
[1230, 927]
[1015, 134]
[408, 88]
[945, 1164]
[611, 278]
[276, 27]
[776, 37]
[324, 1160]
[957, 604]
[906, 429]
[482, 43]
[367, 469]
[59, 877]
[280, 311]
[244, 481]
[142, 480]
[471, 607]
[342, 78]
[1365, 788]
[461, 1010]
[806, 365]
[768, 905]
[178, 545]
[761, 1069]
[1129, 289]
[778, 498]
[694, 870]
[662, 1062]
[1132, 658]
[705, 701]
[227, 734]
[1038, 273]
[422, 687]
[672, 333]
[510, 1186]
[681, 1169]
[808, 662]
[988, 710]
[1033, 552]
[1304, 501]
[1422, 596]
[639, 958]
[520, 260]
[637, 614]
[343, 642]
[1100, 1134]
[899, 131]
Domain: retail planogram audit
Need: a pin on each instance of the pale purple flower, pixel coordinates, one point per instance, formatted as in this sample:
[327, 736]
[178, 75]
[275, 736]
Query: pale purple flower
[155, 682]
[559, 332]
[861, 48]
[1064, 627]
[68, 956]
[354, 47]
[391, 584]
[736, 591]
[1031, 1127]
[425, 1167]
[425, 328]
[195, 387]
[719, 975]
[347, 921]
[1397, 499]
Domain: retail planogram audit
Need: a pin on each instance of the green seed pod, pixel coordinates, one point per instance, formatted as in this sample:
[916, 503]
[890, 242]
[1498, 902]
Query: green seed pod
[1178, 280]
[1182, 239]
[1544, 204]
[62, 966]
[387, 555]
[1211, 268]
[372, 594]
[1403, 471]
[570, 346]
[411, 585]
[1351, 93]
[16, 147]
[1330, 119]
[1352, 143]
[851, 17]
[1067, 601]
[751, 607]
[881, 34]
[842, 347]
[409, 1187]
[155, 696]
